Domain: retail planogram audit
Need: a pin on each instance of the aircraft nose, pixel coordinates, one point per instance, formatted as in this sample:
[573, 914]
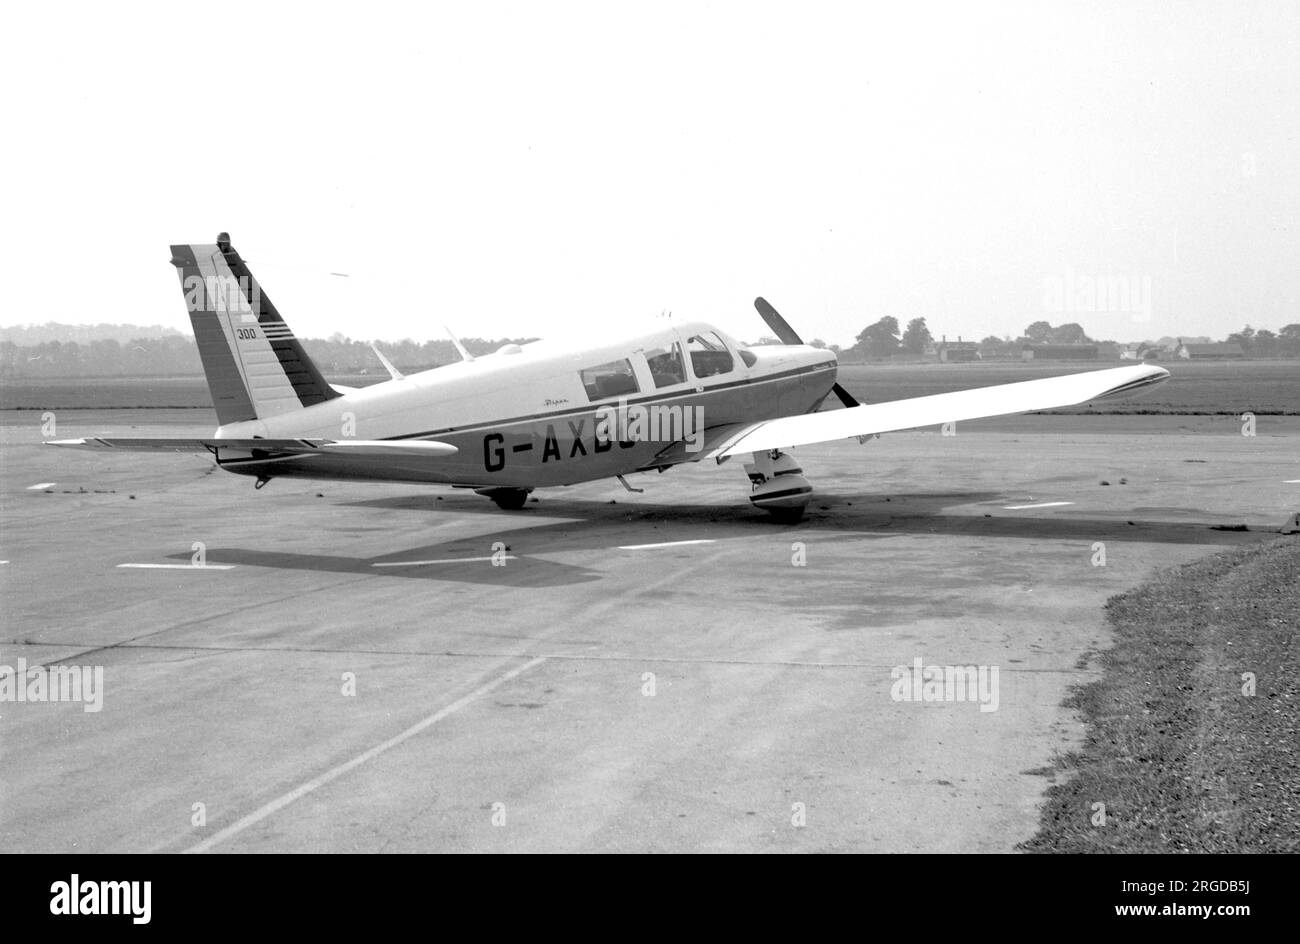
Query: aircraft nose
[815, 356]
[784, 356]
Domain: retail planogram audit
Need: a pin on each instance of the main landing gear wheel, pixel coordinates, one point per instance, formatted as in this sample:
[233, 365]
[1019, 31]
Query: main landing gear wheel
[511, 499]
[778, 486]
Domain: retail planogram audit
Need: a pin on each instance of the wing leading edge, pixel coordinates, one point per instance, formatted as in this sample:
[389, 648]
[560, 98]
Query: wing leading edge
[789, 431]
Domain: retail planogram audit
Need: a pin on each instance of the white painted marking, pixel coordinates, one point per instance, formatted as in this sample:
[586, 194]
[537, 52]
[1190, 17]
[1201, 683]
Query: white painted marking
[1291, 482]
[1039, 505]
[334, 773]
[179, 566]
[40, 485]
[449, 560]
[642, 547]
[4, 562]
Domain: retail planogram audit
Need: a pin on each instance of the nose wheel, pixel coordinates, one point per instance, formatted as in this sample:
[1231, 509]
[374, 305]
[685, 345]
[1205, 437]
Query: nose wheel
[777, 485]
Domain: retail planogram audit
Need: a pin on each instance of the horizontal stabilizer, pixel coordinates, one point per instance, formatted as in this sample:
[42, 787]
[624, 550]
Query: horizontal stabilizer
[268, 448]
[390, 447]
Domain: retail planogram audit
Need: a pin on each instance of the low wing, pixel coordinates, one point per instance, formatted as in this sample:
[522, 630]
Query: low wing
[270, 448]
[789, 431]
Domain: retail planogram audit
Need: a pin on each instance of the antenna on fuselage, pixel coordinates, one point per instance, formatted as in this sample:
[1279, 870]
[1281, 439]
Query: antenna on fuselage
[393, 372]
[465, 355]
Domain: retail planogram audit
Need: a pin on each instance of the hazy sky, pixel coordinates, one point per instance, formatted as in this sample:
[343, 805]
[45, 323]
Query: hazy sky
[510, 168]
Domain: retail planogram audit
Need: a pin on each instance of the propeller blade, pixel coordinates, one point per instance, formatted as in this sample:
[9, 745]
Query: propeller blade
[787, 335]
[780, 327]
[846, 398]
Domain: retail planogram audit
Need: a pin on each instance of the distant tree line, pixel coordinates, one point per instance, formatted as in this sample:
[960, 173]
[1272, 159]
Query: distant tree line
[30, 335]
[1264, 343]
[168, 353]
[169, 356]
[884, 339]
[177, 356]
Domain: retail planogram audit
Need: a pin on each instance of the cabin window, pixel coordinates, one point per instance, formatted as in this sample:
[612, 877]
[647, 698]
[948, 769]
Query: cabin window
[709, 356]
[666, 365]
[614, 379]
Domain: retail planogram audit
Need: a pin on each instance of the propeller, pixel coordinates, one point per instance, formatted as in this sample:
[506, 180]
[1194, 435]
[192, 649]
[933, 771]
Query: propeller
[787, 335]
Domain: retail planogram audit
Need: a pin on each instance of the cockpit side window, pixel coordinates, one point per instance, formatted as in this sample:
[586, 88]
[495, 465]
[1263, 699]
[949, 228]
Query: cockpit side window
[709, 356]
[614, 379]
[666, 365]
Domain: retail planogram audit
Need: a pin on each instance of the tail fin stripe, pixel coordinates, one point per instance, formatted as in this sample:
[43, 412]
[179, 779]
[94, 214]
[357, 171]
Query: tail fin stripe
[308, 383]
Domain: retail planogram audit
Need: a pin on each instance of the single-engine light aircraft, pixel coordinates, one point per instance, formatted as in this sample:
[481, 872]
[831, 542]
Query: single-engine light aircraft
[545, 414]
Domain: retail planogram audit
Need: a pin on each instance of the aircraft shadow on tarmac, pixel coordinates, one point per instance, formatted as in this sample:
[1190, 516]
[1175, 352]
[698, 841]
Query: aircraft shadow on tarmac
[588, 525]
[860, 514]
[454, 562]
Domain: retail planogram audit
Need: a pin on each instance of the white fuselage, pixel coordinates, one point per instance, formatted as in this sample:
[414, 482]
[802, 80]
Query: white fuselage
[549, 414]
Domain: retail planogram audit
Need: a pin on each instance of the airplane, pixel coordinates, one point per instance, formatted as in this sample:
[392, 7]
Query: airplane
[546, 414]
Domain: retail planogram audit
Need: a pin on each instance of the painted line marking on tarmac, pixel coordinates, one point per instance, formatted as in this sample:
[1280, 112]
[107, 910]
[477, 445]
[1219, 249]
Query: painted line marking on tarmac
[179, 566]
[1291, 482]
[40, 485]
[335, 772]
[642, 547]
[1038, 505]
[449, 560]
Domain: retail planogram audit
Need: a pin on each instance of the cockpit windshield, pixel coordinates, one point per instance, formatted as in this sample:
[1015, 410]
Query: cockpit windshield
[709, 356]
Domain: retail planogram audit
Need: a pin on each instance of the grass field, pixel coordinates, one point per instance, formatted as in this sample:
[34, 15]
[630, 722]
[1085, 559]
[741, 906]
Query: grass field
[1263, 387]
[1193, 738]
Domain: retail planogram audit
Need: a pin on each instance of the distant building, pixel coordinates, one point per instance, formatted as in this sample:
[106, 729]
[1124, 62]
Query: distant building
[954, 352]
[1224, 350]
[1139, 352]
[1058, 352]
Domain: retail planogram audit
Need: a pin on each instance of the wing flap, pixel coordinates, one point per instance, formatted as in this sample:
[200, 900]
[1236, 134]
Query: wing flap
[789, 431]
